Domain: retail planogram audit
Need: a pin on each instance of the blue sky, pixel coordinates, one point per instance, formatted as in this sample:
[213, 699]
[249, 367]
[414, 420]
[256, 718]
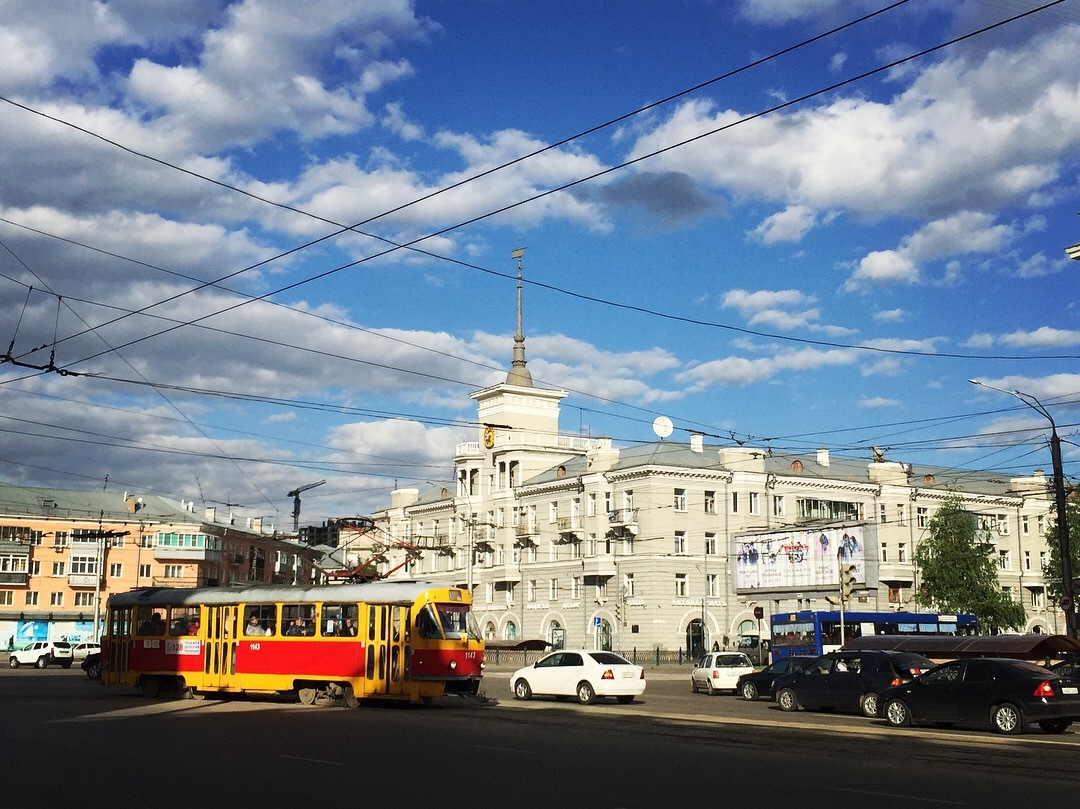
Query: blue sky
[772, 221]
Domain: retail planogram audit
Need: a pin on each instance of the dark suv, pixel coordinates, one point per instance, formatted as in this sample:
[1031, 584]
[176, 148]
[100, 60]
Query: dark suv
[847, 681]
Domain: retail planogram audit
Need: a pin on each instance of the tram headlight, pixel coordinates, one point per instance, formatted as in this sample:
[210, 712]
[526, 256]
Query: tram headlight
[453, 665]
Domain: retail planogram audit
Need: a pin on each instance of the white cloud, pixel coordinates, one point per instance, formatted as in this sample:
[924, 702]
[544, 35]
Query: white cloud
[876, 402]
[789, 225]
[890, 315]
[883, 266]
[913, 153]
[1043, 337]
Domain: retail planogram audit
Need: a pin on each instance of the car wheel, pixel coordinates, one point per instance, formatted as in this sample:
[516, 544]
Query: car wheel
[14, 662]
[749, 691]
[1006, 719]
[897, 713]
[93, 671]
[586, 695]
[42, 662]
[625, 699]
[787, 700]
[709, 688]
[869, 704]
[1055, 725]
[693, 685]
[522, 690]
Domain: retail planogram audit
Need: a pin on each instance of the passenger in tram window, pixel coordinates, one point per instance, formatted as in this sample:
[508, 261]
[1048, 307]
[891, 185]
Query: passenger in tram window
[349, 628]
[296, 628]
[253, 626]
[155, 626]
[193, 628]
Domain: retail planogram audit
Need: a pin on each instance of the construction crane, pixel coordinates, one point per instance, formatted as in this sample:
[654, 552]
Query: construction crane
[295, 495]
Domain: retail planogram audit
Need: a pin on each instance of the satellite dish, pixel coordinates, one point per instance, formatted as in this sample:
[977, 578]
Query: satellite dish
[662, 426]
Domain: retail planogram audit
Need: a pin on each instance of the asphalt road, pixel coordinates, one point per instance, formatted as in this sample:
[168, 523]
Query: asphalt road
[64, 738]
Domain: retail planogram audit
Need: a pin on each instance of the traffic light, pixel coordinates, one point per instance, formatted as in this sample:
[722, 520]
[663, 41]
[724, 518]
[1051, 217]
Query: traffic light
[618, 612]
[847, 581]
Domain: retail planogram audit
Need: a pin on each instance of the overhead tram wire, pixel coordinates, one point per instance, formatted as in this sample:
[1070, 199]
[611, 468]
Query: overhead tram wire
[472, 178]
[191, 423]
[754, 116]
[408, 246]
[354, 228]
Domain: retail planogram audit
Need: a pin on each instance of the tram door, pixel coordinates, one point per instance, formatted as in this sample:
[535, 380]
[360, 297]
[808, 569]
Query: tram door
[120, 642]
[385, 648]
[219, 665]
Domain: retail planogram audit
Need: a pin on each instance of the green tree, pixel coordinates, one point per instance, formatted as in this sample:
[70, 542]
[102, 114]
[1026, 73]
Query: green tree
[958, 571]
[1052, 568]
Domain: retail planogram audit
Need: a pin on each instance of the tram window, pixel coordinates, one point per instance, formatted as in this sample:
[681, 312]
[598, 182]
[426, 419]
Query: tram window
[184, 621]
[426, 624]
[339, 619]
[457, 621]
[150, 621]
[299, 619]
[265, 616]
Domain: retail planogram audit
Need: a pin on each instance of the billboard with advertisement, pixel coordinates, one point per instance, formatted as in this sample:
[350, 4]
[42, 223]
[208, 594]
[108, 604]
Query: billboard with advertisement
[804, 558]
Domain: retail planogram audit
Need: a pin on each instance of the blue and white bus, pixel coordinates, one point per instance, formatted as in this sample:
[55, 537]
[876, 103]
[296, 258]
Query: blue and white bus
[810, 632]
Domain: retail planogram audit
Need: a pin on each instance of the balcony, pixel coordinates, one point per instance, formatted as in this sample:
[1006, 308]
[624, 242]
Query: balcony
[82, 580]
[569, 530]
[15, 578]
[171, 581]
[896, 573]
[525, 529]
[623, 523]
[167, 552]
[622, 516]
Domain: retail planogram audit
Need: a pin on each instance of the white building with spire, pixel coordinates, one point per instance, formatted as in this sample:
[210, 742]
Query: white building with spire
[678, 545]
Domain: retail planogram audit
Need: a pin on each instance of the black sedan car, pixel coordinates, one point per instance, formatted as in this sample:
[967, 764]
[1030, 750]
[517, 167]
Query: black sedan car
[847, 681]
[1004, 694]
[759, 683]
[91, 664]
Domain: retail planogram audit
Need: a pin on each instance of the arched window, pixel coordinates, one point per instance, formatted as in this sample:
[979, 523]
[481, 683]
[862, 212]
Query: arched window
[510, 631]
[696, 640]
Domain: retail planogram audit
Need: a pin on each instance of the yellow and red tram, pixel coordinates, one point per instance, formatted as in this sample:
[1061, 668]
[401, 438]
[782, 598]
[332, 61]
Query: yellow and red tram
[345, 642]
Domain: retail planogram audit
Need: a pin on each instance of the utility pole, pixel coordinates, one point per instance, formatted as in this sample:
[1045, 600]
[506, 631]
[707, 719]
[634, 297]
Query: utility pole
[1068, 597]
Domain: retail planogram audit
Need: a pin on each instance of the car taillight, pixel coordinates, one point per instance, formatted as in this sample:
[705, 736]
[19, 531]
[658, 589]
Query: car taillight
[607, 675]
[896, 681]
[1043, 690]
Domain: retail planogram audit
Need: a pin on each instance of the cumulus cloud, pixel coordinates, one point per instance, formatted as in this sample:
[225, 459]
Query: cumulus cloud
[1043, 337]
[789, 225]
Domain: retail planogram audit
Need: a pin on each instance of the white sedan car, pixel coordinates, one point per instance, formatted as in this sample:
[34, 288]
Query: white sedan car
[80, 650]
[719, 671]
[582, 673]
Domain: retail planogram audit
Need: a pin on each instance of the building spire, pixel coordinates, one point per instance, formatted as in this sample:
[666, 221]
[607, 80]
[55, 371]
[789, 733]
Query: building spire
[519, 375]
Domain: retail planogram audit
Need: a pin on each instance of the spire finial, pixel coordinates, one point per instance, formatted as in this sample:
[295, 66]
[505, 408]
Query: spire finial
[519, 375]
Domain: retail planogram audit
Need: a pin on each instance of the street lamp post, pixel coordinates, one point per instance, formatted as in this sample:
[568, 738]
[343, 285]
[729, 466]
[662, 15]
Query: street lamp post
[1067, 595]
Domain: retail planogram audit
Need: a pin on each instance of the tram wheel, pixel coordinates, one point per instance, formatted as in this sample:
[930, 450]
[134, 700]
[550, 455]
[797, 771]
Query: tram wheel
[307, 695]
[349, 696]
[151, 687]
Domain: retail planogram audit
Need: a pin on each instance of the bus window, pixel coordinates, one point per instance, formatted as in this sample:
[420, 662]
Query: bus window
[458, 621]
[426, 624]
[184, 621]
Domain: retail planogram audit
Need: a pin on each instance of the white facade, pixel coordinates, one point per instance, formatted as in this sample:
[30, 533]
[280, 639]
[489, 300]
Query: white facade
[575, 541]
